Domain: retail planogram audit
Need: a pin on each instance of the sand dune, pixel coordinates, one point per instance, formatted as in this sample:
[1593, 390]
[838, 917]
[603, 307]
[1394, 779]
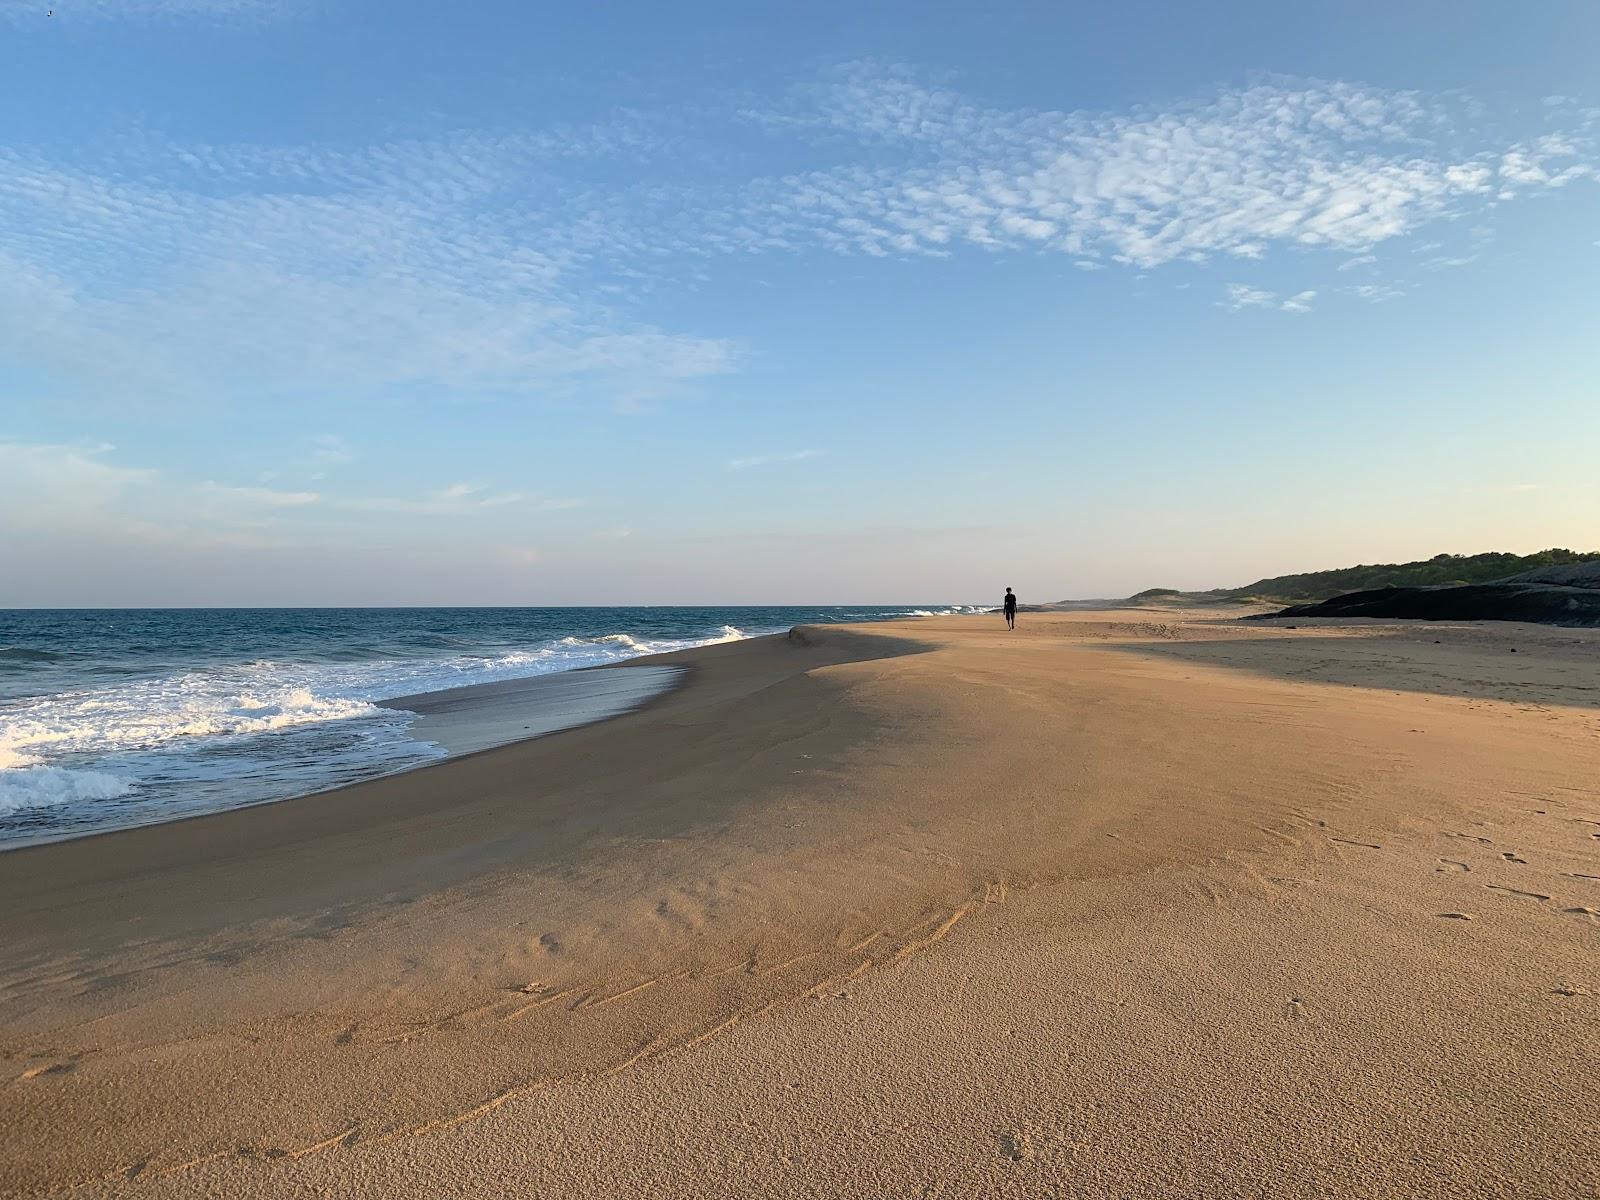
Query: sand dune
[1122, 904]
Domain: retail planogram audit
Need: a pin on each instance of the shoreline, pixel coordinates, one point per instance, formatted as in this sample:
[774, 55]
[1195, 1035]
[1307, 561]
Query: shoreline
[470, 719]
[1072, 910]
[483, 716]
[309, 756]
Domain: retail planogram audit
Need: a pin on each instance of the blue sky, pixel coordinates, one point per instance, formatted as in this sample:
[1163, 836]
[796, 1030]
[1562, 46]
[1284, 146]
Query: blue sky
[313, 301]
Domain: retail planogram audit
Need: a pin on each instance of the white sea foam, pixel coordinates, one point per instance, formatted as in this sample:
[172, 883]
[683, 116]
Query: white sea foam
[40, 787]
[204, 731]
[606, 644]
[147, 713]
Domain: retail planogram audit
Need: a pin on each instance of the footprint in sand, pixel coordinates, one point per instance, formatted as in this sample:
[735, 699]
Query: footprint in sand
[1471, 837]
[1295, 1009]
[57, 1068]
[1496, 887]
[551, 943]
[1567, 989]
[1512, 856]
[1583, 910]
[1015, 1144]
[1458, 916]
[1453, 866]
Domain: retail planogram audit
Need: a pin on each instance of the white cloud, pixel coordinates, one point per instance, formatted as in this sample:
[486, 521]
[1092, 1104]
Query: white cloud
[269, 497]
[1239, 296]
[169, 266]
[63, 503]
[456, 500]
[1374, 293]
[62, 480]
[330, 449]
[1284, 162]
[761, 460]
[1549, 161]
[506, 264]
[47, 489]
[1247, 173]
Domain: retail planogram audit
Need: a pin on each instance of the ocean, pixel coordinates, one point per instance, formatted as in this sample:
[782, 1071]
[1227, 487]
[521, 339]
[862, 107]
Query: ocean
[118, 717]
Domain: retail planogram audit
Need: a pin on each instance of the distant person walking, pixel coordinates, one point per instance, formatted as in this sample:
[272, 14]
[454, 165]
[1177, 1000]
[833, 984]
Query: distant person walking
[1011, 609]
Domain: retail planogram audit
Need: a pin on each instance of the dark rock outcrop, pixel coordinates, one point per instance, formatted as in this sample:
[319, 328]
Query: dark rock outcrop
[1581, 574]
[1547, 604]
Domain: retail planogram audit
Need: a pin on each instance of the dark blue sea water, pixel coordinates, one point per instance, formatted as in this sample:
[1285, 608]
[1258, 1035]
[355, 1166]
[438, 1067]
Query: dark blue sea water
[117, 717]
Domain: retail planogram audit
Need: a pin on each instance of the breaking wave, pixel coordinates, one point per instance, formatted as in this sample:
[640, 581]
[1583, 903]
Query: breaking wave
[228, 734]
[118, 717]
[25, 787]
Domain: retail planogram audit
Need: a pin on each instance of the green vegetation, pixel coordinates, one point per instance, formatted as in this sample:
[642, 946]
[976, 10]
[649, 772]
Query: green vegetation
[1440, 570]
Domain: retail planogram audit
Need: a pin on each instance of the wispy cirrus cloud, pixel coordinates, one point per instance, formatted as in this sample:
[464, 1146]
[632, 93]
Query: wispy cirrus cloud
[67, 477]
[512, 262]
[50, 489]
[62, 491]
[458, 499]
[269, 497]
[761, 460]
[329, 449]
[429, 263]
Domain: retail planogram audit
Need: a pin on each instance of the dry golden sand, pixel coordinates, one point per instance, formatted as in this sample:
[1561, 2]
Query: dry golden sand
[1119, 905]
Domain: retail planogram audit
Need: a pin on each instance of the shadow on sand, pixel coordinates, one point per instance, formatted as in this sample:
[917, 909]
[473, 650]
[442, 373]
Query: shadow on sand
[1502, 661]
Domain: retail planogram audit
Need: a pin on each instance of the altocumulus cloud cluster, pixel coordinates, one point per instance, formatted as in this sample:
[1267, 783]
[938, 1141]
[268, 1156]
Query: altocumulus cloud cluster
[1283, 162]
[505, 260]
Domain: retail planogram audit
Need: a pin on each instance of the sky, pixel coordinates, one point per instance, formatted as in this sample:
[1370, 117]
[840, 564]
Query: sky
[345, 302]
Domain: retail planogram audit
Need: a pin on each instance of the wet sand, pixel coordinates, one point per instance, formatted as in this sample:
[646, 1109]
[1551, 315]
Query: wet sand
[1122, 904]
[480, 716]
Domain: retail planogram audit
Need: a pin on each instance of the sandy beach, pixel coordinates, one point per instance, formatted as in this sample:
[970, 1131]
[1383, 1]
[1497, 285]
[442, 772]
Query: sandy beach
[1123, 904]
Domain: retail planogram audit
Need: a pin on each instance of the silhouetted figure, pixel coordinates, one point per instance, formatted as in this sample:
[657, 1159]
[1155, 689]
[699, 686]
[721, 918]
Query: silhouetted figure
[1011, 609]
